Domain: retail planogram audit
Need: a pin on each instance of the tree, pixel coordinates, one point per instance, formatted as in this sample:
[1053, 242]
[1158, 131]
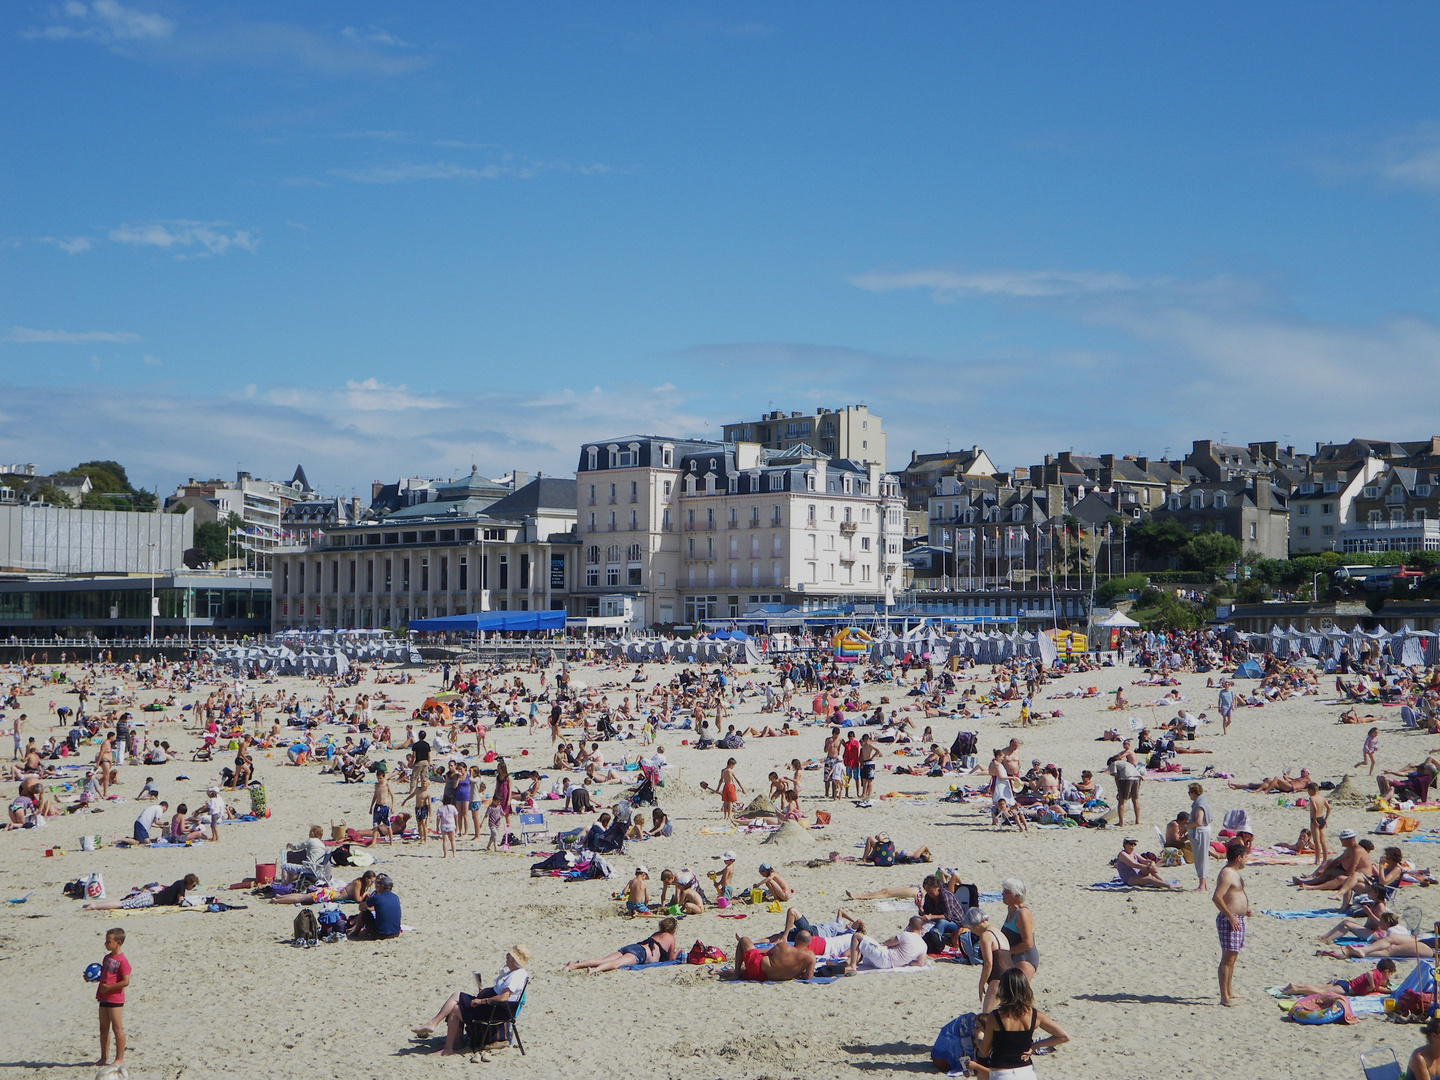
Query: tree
[48, 492]
[213, 540]
[1171, 613]
[1157, 541]
[1209, 551]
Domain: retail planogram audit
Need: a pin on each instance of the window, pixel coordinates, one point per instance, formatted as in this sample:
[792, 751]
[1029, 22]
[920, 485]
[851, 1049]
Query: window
[300, 571]
[1197, 500]
[1372, 493]
[612, 553]
[1326, 509]
[369, 575]
[633, 575]
[634, 491]
[612, 575]
[1331, 486]
[464, 574]
[665, 518]
[627, 459]
[592, 576]
[592, 553]
[667, 460]
[592, 494]
[424, 575]
[404, 575]
[388, 569]
[1304, 510]
[734, 517]
[632, 553]
[754, 517]
[504, 572]
[865, 543]
[1252, 530]
[352, 575]
[1374, 517]
[710, 517]
[612, 493]
[612, 520]
[775, 515]
[1397, 515]
[1420, 514]
[634, 520]
[667, 489]
[591, 462]
[1422, 490]
[1304, 530]
[1327, 530]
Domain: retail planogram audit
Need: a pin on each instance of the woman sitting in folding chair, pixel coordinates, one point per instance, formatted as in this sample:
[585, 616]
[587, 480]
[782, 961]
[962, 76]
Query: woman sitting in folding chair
[493, 1007]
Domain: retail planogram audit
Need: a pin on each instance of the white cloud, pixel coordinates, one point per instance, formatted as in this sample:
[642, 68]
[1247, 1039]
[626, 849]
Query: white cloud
[408, 172]
[71, 245]
[373, 35]
[948, 285]
[141, 34]
[26, 336]
[210, 237]
[107, 22]
[346, 436]
[150, 361]
[1408, 159]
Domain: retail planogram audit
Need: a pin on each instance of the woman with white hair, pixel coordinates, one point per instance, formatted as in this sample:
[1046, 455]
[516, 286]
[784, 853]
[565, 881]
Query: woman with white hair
[494, 1006]
[1019, 930]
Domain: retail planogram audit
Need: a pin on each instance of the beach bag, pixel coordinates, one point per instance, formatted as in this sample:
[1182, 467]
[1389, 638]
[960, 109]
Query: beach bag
[697, 953]
[94, 887]
[331, 917]
[1414, 1003]
[884, 853]
[1172, 857]
[955, 1044]
[822, 817]
[307, 927]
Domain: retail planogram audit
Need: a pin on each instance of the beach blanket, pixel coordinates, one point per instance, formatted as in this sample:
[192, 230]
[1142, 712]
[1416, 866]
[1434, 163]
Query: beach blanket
[1313, 913]
[1368, 1005]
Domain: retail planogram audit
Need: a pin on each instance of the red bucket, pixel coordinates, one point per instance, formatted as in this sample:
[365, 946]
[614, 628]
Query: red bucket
[264, 873]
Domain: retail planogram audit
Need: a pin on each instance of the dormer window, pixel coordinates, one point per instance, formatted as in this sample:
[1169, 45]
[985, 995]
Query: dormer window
[1219, 500]
[1372, 492]
[809, 481]
[1017, 513]
[1307, 489]
[667, 457]
[592, 458]
[1197, 500]
[1331, 486]
[1174, 502]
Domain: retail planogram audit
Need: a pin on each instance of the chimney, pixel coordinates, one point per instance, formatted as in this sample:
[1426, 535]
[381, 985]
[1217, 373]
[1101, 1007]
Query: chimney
[1064, 458]
[1107, 460]
[914, 456]
[1435, 444]
[518, 479]
[1143, 463]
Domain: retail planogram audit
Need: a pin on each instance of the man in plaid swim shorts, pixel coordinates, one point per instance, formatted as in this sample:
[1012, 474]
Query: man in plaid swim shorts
[1234, 908]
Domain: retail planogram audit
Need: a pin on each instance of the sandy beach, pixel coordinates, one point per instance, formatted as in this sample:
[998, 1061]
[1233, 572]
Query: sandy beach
[1131, 976]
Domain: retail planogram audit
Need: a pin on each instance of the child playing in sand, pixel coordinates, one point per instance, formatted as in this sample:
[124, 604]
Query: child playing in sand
[114, 978]
[421, 795]
[1367, 751]
[493, 817]
[637, 893]
[722, 879]
[445, 818]
[380, 808]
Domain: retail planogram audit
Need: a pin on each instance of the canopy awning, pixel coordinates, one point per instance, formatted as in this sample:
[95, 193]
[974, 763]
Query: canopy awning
[489, 621]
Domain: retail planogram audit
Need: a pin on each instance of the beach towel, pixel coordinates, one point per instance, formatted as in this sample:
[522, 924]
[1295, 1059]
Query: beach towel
[1314, 913]
[1120, 886]
[647, 967]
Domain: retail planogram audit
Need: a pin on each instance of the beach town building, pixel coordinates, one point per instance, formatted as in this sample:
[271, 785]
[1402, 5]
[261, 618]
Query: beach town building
[852, 432]
[677, 530]
[1251, 509]
[919, 477]
[463, 551]
[259, 504]
[1397, 509]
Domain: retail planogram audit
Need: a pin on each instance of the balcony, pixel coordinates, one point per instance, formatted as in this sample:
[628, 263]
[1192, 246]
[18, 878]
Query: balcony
[700, 556]
[754, 523]
[847, 560]
[699, 526]
[847, 528]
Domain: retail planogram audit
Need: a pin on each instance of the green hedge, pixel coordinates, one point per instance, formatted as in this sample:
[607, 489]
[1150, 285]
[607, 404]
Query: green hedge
[1179, 577]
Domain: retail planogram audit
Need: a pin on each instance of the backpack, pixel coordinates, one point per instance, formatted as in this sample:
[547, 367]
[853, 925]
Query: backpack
[331, 918]
[884, 853]
[307, 927]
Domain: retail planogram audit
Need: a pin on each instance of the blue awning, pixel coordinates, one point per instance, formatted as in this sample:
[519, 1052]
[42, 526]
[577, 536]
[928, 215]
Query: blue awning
[490, 621]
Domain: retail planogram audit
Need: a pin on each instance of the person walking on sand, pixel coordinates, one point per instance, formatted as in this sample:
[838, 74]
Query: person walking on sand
[1234, 909]
[1319, 818]
[1367, 751]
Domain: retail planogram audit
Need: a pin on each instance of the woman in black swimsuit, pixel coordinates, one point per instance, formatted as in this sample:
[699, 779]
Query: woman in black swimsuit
[658, 948]
[1005, 1038]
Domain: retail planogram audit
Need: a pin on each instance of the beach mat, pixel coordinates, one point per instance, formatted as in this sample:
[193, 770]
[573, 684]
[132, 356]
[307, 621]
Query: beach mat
[1120, 886]
[1312, 913]
[647, 967]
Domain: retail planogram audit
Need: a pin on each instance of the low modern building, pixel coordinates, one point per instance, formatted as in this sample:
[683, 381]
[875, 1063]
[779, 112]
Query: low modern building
[189, 604]
[461, 553]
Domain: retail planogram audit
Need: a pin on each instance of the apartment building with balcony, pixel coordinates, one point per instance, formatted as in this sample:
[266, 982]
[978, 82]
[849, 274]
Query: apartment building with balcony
[1398, 509]
[689, 530]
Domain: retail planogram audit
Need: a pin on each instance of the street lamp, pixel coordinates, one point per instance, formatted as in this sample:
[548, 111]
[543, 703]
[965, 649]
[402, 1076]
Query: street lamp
[1315, 587]
[153, 545]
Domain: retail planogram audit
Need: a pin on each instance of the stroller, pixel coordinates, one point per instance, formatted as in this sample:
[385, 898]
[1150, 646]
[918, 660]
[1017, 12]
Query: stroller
[644, 791]
[206, 749]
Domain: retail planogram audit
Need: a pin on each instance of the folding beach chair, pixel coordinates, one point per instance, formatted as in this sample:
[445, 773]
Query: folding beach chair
[1378, 1064]
[478, 1034]
[532, 825]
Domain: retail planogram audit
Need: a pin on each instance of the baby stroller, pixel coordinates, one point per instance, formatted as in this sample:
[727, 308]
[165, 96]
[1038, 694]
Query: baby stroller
[206, 749]
[644, 791]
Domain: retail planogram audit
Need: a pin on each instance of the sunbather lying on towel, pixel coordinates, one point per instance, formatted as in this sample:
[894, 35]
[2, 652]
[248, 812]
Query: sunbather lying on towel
[357, 890]
[780, 963]
[657, 948]
[1375, 981]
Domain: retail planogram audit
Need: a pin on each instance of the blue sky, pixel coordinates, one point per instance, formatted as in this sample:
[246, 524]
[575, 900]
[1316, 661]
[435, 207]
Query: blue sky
[395, 239]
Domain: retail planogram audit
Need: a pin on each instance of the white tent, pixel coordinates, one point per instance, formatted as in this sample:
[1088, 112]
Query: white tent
[1118, 619]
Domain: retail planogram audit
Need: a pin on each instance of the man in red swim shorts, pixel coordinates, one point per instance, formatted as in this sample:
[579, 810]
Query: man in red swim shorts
[780, 963]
